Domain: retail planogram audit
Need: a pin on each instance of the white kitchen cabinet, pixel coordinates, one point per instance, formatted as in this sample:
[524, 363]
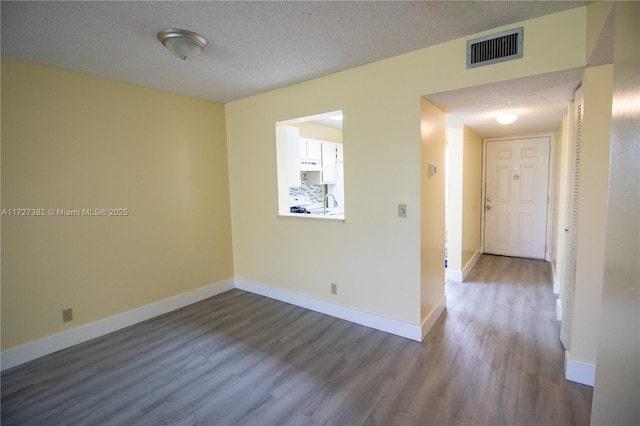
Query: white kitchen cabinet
[314, 149]
[310, 149]
[340, 155]
[329, 157]
[292, 137]
[303, 148]
[327, 173]
[310, 154]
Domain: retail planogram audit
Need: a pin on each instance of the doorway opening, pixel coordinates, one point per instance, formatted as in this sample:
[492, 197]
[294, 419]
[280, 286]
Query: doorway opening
[541, 102]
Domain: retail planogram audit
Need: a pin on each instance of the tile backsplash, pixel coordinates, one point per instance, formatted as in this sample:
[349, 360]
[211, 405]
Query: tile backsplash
[312, 192]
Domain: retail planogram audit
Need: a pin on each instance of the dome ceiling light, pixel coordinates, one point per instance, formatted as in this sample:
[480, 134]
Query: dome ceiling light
[507, 117]
[182, 43]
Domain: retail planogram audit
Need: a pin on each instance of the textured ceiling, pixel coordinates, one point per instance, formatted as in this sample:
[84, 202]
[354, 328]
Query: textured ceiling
[253, 47]
[540, 102]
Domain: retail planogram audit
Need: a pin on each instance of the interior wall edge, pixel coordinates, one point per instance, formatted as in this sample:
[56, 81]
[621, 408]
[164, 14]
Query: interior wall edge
[471, 263]
[559, 309]
[579, 372]
[460, 276]
[453, 275]
[433, 316]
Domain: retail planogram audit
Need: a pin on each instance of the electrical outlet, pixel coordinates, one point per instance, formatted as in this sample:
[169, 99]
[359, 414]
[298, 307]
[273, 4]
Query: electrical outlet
[334, 288]
[67, 315]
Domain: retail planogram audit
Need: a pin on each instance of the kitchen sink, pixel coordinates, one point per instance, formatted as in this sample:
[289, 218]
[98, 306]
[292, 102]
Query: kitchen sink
[330, 212]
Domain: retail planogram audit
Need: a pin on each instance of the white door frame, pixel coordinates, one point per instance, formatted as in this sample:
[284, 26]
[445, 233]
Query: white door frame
[552, 141]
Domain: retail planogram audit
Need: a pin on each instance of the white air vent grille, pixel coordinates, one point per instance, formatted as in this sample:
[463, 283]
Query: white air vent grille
[494, 48]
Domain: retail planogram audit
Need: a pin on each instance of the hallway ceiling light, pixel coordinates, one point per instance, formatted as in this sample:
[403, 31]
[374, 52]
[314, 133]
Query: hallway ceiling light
[507, 117]
[182, 43]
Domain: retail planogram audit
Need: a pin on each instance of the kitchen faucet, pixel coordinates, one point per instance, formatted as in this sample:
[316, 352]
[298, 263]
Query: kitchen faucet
[325, 204]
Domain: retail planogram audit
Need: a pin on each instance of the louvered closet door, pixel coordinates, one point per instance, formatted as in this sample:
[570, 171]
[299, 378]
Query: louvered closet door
[572, 255]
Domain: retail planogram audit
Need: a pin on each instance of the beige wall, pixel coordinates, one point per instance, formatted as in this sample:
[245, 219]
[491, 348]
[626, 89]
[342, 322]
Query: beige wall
[597, 14]
[74, 141]
[373, 256]
[560, 200]
[616, 395]
[592, 216]
[432, 200]
[464, 198]
[455, 172]
[471, 195]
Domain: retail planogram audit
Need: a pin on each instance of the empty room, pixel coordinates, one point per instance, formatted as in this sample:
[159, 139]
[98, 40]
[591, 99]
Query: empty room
[307, 212]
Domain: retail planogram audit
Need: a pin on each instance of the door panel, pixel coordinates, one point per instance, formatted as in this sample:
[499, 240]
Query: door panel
[516, 186]
[525, 228]
[528, 185]
[504, 226]
[503, 187]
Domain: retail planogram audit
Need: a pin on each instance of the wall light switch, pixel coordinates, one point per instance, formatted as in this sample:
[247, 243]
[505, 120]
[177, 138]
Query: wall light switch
[433, 169]
[402, 210]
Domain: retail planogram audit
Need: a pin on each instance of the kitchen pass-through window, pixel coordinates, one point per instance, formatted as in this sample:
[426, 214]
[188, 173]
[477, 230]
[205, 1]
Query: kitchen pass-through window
[310, 160]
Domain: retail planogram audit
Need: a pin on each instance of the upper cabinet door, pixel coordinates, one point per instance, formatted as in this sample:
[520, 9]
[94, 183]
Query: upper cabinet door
[314, 149]
[303, 148]
[340, 156]
[329, 156]
[292, 135]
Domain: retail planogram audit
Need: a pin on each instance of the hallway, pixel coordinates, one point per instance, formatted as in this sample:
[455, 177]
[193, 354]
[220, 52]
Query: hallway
[239, 358]
[502, 324]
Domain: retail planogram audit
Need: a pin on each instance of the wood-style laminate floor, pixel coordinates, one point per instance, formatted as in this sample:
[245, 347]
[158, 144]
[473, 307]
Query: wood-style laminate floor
[493, 358]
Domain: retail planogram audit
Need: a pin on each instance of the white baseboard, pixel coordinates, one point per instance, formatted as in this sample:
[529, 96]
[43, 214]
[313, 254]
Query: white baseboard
[388, 325]
[579, 372]
[21, 354]
[30, 351]
[470, 264]
[460, 276]
[559, 309]
[433, 316]
[556, 282]
[453, 275]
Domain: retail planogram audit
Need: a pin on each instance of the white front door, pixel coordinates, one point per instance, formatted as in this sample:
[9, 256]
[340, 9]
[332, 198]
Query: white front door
[516, 197]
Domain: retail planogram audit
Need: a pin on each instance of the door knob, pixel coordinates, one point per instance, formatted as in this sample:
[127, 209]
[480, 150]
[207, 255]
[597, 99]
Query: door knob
[488, 206]
[488, 199]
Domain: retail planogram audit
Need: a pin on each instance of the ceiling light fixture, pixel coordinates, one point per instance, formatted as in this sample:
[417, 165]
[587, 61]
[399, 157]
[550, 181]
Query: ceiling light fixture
[507, 117]
[182, 43]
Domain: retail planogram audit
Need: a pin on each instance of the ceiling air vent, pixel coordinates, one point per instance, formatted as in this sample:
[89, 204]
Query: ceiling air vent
[494, 48]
